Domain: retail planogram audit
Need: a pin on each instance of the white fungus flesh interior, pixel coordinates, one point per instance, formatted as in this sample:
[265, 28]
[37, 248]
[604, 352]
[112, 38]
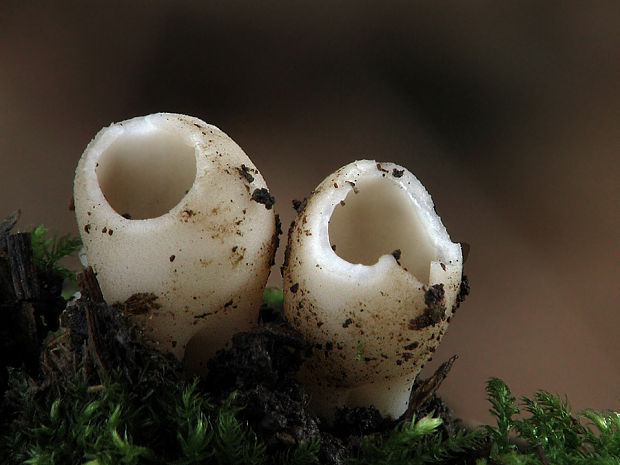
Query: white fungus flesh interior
[378, 220]
[143, 175]
[371, 279]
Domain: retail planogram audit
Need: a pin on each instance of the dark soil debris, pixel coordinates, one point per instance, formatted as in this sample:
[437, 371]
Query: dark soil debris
[263, 196]
[275, 240]
[463, 290]
[358, 421]
[243, 171]
[397, 173]
[299, 205]
[435, 310]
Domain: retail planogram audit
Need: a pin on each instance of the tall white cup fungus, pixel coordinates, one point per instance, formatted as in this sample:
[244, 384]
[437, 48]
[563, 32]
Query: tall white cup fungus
[169, 205]
[371, 279]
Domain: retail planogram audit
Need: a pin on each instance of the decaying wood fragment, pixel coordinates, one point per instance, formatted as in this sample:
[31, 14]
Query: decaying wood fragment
[23, 269]
[423, 392]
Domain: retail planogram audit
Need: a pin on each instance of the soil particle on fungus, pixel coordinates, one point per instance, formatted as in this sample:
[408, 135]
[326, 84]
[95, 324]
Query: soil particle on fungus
[172, 257]
[355, 189]
[87, 228]
[396, 254]
[287, 250]
[347, 322]
[294, 288]
[381, 168]
[202, 315]
[275, 240]
[263, 196]
[397, 173]
[244, 172]
[411, 346]
[435, 310]
[299, 205]
[463, 291]
[187, 214]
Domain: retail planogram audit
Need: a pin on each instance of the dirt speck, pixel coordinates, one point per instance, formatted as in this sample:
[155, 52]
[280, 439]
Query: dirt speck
[244, 172]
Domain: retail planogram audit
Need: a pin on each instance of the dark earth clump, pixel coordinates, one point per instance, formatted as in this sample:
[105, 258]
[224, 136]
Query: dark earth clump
[299, 205]
[260, 367]
[245, 172]
[263, 196]
[463, 290]
[435, 310]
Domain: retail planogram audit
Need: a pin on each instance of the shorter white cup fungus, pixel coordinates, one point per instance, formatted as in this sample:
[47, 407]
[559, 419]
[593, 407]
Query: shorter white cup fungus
[371, 279]
[169, 205]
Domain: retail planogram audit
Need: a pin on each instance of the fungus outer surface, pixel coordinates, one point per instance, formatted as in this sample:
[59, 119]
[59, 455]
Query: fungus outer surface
[163, 207]
[376, 307]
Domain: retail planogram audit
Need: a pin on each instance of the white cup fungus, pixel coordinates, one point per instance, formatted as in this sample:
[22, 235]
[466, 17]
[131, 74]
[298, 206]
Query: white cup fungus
[169, 205]
[371, 279]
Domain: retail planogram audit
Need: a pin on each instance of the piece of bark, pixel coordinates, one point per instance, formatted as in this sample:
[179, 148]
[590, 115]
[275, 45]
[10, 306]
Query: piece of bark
[423, 392]
[6, 225]
[95, 346]
[87, 281]
[23, 269]
[7, 295]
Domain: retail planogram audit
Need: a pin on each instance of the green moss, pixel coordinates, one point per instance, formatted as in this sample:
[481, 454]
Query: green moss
[48, 252]
[550, 432]
[273, 297]
[155, 417]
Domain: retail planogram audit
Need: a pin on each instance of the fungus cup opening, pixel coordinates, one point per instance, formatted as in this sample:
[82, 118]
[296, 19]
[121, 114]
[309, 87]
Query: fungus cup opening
[376, 219]
[138, 176]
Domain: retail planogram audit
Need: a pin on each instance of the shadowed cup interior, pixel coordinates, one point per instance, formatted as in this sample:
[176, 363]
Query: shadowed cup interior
[145, 175]
[378, 220]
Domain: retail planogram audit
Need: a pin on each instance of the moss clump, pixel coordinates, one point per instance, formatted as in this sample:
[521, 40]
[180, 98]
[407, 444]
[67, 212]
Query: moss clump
[551, 434]
[100, 395]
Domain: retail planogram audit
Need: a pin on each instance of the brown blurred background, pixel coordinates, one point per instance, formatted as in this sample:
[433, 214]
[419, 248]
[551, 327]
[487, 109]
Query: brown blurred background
[508, 113]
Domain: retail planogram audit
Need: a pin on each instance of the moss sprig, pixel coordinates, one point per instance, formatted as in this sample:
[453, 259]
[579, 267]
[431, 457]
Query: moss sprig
[48, 252]
[417, 442]
[552, 434]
